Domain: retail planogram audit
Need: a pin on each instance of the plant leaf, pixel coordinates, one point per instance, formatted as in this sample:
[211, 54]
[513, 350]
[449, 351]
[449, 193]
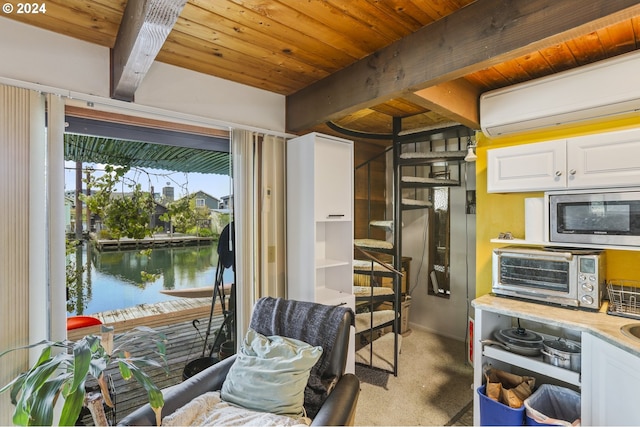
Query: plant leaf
[81, 364]
[36, 378]
[97, 367]
[125, 372]
[43, 401]
[24, 347]
[73, 403]
[18, 383]
[156, 400]
[104, 389]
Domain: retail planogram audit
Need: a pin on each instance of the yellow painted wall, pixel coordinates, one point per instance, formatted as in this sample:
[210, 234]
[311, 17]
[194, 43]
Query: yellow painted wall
[501, 212]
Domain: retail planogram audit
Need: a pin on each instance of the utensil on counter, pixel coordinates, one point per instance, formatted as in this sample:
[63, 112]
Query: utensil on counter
[562, 353]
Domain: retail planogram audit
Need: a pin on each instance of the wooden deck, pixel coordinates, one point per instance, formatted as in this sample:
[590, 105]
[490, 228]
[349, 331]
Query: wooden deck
[185, 343]
[151, 315]
[156, 241]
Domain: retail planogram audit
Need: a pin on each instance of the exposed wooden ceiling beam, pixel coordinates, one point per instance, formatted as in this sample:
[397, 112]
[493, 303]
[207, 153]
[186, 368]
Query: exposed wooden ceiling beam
[477, 36]
[457, 100]
[144, 28]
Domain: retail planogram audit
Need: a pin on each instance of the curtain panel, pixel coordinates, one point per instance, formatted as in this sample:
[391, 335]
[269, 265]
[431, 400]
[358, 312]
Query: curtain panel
[259, 215]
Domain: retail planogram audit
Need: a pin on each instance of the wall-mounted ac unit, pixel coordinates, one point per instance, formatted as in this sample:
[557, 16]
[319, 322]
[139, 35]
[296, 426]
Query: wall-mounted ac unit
[602, 89]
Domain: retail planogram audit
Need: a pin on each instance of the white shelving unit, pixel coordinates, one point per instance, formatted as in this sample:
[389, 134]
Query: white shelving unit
[320, 222]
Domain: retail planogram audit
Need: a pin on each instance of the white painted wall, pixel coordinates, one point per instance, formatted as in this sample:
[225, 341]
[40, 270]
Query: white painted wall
[30, 54]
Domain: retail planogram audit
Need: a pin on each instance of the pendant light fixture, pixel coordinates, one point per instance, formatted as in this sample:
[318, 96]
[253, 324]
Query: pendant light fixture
[471, 156]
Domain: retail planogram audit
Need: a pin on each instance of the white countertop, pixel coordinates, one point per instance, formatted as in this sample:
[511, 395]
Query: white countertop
[600, 324]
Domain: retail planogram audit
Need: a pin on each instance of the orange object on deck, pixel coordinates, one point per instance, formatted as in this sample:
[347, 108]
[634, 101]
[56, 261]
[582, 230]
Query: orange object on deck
[75, 322]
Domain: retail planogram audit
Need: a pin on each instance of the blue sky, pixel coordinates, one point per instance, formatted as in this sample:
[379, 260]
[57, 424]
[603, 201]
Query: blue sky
[215, 185]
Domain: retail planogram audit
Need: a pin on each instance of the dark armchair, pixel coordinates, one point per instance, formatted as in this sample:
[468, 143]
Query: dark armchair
[316, 324]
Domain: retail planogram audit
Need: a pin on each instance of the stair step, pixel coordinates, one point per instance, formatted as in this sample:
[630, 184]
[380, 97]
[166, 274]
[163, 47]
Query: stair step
[418, 181]
[364, 267]
[415, 158]
[374, 245]
[382, 223]
[375, 319]
[415, 204]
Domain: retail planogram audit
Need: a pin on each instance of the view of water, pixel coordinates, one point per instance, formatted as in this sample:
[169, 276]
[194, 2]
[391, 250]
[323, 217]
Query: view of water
[113, 280]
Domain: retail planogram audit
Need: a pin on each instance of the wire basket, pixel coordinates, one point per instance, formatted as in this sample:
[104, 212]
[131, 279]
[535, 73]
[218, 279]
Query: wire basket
[624, 298]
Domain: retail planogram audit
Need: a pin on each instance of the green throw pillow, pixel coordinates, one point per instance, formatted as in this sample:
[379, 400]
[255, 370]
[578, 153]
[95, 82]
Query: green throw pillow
[270, 374]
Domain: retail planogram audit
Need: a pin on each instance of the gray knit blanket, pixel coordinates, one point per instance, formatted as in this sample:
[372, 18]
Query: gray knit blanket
[315, 324]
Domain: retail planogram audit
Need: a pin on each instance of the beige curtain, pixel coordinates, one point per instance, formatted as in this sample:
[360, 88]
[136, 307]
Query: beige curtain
[31, 168]
[259, 214]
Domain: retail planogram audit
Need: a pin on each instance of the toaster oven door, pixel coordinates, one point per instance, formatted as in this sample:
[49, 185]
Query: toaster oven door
[535, 274]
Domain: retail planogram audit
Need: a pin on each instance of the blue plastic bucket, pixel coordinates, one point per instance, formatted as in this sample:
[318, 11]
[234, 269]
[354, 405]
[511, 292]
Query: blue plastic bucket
[493, 413]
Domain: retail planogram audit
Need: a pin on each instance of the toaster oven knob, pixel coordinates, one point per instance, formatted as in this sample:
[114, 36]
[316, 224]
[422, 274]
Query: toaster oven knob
[582, 278]
[587, 300]
[587, 287]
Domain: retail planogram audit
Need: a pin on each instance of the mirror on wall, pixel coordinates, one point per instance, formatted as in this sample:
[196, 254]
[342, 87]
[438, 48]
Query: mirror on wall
[439, 244]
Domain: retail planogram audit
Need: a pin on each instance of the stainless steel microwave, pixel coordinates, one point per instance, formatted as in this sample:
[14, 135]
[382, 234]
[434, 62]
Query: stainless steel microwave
[564, 276]
[602, 217]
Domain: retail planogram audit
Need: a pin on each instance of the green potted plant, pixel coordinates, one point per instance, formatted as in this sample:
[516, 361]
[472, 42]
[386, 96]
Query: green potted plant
[64, 367]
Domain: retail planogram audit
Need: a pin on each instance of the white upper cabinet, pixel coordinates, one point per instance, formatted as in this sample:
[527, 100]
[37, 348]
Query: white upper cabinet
[333, 170]
[530, 167]
[603, 160]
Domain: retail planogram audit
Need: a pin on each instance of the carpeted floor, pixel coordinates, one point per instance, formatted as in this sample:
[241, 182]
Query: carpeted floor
[433, 386]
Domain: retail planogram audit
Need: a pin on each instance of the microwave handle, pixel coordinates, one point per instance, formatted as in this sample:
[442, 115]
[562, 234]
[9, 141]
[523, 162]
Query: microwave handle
[527, 251]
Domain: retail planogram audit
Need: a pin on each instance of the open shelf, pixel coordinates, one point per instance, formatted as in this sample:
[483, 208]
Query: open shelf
[534, 364]
[327, 263]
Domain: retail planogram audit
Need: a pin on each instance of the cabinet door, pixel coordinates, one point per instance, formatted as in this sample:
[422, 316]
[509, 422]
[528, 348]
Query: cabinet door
[333, 166]
[531, 167]
[610, 380]
[604, 160]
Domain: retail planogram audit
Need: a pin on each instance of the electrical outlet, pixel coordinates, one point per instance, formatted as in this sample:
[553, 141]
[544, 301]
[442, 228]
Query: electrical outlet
[271, 254]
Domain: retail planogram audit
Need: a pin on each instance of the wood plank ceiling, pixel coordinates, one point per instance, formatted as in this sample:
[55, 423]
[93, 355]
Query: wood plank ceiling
[358, 63]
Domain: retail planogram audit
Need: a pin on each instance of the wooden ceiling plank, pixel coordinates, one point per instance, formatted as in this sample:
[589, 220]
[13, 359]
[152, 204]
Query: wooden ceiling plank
[207, 25]
[408, 13]
[223, 69]
[218, 43]
[93, 24]
[618, 39]
[144, 29]
[435, 10]
[513, 71]
[241, 19]
[390, 25]
[560, 57]
[457, 100]
[534, 64]
[429, 120]
[635, 22]
[399, 107]
[358, 115]
[243, 63]
[330, 25]
[587, 48]
[475, 37]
